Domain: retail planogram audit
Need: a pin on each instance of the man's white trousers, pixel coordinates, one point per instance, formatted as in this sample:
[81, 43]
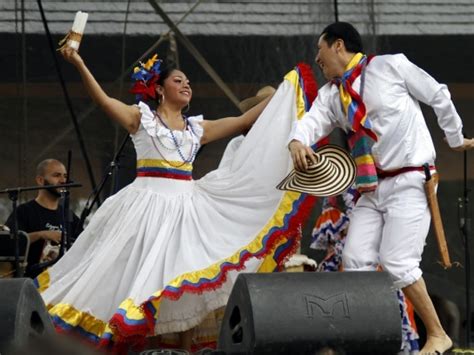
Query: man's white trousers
[388, 228]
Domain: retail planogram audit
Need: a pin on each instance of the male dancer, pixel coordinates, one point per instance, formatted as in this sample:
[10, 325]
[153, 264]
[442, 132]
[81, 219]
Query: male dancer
[376, 100]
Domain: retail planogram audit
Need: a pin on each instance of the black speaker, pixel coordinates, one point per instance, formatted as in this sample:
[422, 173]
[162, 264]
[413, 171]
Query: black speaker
[311, 312]
[23, 316]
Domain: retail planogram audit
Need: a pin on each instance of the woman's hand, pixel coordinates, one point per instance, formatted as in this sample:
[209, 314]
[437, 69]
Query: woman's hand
[301, 155]
[71, 55]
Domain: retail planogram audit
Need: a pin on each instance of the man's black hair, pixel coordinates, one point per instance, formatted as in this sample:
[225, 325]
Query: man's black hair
[346, 32]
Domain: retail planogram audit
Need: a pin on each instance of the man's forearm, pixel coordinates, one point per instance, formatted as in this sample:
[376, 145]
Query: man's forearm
[34, 236]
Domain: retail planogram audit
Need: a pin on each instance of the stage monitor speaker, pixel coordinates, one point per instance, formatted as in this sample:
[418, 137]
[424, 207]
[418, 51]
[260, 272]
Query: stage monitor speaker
[310, 312]
[23, 316]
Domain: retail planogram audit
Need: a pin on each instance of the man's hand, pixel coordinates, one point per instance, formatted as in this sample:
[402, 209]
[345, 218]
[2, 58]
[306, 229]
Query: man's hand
[54, 236]
[301, 154]
[467, 145]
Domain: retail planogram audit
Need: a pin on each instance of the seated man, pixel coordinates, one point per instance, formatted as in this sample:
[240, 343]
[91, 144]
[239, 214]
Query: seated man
[42, 218]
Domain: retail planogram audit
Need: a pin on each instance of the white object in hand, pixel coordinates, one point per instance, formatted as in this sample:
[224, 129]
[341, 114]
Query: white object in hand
[77, 29]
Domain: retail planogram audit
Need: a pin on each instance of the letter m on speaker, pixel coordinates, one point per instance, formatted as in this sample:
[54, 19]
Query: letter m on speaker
[327, 306]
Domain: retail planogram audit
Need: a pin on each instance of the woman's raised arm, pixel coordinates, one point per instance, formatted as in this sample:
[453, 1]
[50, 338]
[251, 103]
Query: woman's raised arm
[128, 116]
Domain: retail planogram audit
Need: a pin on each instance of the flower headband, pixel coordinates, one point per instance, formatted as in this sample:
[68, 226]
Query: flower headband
[145, 76]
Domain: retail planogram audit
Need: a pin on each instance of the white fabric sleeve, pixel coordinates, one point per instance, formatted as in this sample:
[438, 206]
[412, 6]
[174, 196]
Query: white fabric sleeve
[196, 123]
[147, 118]
[427, 90]
[318, 122]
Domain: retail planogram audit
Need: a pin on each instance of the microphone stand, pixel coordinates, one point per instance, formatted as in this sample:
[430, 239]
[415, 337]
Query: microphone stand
[115, 165]
[66, 211]
[112, 170]
[13, 196]
[65, 237]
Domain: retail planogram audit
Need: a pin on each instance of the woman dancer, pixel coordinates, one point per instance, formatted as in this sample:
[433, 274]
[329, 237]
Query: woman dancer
[163, 252]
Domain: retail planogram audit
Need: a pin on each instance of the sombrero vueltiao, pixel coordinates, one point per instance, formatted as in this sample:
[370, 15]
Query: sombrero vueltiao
[333, 173]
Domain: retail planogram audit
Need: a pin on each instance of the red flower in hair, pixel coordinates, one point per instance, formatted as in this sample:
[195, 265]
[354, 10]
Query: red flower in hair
[146, 76]
[145, 90]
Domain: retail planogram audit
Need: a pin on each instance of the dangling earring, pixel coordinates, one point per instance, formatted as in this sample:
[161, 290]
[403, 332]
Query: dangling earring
[162, 100]
[188, 106]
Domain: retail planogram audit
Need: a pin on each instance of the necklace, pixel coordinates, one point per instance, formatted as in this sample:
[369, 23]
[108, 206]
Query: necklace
[177, 145]
[166, 126]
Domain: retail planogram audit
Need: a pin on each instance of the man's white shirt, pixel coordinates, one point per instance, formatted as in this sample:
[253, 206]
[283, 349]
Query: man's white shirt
[392, 88]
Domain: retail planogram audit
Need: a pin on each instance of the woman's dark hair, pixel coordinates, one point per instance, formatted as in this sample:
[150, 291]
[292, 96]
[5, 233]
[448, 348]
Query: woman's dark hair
[346, 32]
[166, 71]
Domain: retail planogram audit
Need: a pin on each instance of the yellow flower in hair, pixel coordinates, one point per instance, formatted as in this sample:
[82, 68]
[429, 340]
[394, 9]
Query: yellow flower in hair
[150, 62]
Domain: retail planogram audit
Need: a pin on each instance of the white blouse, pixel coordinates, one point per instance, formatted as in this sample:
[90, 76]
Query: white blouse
[154, 141]
[393, 86]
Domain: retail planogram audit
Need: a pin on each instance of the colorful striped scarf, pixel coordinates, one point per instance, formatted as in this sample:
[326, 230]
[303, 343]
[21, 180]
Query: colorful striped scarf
[361, 138]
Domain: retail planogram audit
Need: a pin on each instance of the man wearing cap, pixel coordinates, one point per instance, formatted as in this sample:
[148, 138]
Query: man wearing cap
[376, 101]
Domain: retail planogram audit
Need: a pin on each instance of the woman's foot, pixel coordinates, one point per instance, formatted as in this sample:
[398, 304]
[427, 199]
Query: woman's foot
[436, 345]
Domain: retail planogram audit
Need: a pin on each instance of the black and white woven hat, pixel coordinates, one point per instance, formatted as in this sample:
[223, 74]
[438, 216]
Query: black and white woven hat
[333, 173]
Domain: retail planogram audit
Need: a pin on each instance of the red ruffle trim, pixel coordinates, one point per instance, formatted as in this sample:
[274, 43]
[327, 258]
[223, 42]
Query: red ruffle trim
[310, 85]
[310, 90]
[134, 335]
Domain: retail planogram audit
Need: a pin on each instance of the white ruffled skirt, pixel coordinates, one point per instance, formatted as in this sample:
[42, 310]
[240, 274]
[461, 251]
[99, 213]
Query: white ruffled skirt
[161, 254]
